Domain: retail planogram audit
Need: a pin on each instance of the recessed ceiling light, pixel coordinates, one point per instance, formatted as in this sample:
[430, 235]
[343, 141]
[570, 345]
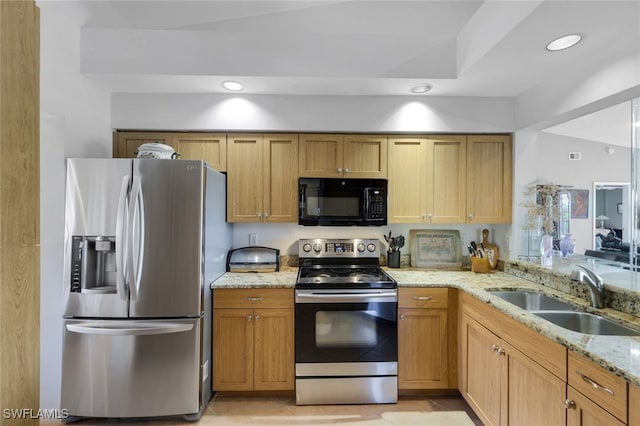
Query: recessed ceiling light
[564, 42]
[422, 88]
[234, 86]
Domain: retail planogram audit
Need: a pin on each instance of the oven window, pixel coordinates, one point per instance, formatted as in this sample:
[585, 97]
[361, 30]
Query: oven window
[346, 329]
[346, 332]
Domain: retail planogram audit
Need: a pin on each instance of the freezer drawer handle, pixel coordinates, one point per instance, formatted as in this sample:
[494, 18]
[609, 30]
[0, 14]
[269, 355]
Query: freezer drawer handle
[132, 330]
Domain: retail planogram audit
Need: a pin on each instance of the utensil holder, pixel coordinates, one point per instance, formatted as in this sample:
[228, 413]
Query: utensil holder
[480, 265]
[393, 259]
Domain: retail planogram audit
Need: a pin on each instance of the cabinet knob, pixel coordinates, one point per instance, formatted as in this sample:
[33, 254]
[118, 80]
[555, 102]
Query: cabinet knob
[494, 348]
[259, 215]
[402, 317]
[471, 216]
[266, 216]
[424, 217]
[339, 170]
[347, 171]
[249, 318]
[501, 351]
[257, 317]
[569, 404]
[430, 217]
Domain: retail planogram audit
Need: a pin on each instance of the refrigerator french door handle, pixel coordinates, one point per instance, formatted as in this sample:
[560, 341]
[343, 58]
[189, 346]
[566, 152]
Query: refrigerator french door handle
[133, 330]
[140, 242]
[121, 245]
[132, 264]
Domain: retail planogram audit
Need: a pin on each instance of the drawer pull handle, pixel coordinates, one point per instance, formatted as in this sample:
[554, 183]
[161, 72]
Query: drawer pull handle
[421, 298]
[254, 299]
[596, 385]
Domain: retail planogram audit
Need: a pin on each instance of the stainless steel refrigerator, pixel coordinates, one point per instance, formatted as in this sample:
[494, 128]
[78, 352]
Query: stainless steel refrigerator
[144, 239]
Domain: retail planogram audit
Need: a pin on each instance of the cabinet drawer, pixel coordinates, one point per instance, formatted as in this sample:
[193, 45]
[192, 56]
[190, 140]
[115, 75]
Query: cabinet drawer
[422, 297]
[253, 298]
[597, 384]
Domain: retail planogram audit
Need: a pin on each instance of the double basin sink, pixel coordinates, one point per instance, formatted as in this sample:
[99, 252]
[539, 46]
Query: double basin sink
[564, 314]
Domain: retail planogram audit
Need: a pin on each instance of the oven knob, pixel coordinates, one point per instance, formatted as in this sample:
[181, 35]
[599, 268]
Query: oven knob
[361, 247]
[306, 248]
[317, 247]
[371, 247]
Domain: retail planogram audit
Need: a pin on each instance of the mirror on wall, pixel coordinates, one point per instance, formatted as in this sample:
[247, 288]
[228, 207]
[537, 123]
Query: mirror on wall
[611, 217]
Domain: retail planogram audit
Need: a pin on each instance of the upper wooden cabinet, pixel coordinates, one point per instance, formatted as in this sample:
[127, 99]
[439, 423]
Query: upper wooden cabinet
[336, 156]
[210, 147]
[427, 179]
[262, 179]
[489, 178]
[125, 144]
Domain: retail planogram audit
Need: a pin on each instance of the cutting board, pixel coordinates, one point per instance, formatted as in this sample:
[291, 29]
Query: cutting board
[488, 246]
[431, 248]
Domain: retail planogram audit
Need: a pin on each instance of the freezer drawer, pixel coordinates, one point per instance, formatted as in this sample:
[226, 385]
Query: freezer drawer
[131, 368]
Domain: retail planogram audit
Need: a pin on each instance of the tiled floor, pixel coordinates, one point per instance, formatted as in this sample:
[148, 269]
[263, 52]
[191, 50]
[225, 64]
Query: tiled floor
[235, 410]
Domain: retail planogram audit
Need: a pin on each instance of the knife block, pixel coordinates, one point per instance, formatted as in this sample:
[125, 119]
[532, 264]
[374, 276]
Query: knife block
[480, 265]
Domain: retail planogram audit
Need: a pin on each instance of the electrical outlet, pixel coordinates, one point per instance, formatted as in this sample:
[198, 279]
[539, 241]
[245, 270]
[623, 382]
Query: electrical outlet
[253, 239]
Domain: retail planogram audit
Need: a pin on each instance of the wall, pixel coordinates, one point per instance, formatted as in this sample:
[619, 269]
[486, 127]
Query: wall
[75, 122]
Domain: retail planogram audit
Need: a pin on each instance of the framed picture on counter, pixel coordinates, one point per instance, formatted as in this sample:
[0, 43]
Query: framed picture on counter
[579, 203]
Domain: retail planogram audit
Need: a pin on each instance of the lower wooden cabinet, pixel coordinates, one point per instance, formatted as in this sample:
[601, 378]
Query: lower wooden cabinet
[501, 380]
[423, 339]
[595, 396]
[581, 411]
[253, 332]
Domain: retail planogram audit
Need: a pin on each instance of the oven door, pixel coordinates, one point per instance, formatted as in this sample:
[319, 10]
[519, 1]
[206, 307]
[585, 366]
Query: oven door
[346, 326]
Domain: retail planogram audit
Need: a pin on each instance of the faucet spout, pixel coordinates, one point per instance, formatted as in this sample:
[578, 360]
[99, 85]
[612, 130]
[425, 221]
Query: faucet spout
[594, 284]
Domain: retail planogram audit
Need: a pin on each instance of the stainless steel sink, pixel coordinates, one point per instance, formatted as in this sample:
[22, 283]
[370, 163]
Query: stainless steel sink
[584, 322]
[532, 301]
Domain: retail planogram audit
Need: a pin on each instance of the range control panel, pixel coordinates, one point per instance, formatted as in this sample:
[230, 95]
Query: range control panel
[323, 247]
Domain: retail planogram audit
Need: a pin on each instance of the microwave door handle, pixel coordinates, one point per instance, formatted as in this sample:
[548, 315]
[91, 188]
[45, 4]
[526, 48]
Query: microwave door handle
[367, 203]
[121, 246]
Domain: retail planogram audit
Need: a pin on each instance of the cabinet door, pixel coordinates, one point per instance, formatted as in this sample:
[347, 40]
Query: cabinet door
[536, 396]
[244, 178]
[365, 157]
[274, 353]
[233, 349]
[484, 372]
[125, 144]
[422, 349]
[583, 412]
[280, 181]
[489, 179]
[407, 179]
[321, 156]
[634, 405]
[446, 182]
[210, 147]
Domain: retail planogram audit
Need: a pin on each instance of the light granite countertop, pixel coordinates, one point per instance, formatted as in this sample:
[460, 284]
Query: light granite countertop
[618, 354]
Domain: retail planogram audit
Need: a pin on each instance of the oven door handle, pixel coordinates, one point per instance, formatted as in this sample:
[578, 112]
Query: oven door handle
[340, 297]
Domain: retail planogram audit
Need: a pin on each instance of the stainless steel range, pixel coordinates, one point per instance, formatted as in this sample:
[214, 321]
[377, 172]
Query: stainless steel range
[346, 324]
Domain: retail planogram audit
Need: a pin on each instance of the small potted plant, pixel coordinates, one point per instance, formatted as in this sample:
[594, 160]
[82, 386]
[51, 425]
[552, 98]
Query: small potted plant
[393, 254]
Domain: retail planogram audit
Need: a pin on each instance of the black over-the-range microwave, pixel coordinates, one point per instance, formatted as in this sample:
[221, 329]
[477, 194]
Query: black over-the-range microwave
[342, 202]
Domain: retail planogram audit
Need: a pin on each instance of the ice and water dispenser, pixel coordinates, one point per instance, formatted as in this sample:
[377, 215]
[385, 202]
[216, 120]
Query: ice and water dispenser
[93, 264]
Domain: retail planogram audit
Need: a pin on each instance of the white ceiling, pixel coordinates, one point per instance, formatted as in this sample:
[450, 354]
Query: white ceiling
[463, 48]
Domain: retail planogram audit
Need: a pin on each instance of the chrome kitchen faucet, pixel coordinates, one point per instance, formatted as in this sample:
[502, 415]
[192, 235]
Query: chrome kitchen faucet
[593, 282]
